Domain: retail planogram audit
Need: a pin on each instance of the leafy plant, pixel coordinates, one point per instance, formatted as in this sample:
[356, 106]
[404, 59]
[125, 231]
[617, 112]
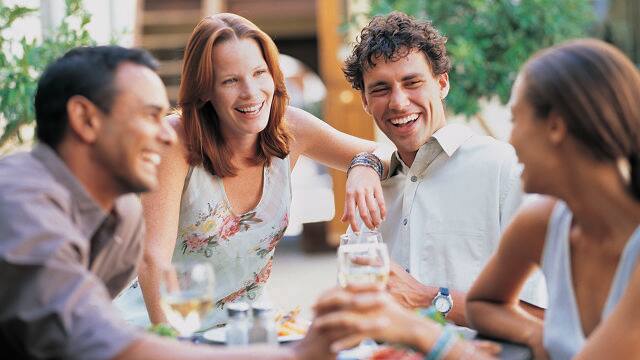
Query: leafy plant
[489, 40]
[22, 61]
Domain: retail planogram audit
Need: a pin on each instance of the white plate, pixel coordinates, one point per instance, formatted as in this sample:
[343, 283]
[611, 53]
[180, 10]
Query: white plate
[217, 335]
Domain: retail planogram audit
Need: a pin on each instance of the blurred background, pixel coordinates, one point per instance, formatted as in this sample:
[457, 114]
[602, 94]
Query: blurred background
[488, 41]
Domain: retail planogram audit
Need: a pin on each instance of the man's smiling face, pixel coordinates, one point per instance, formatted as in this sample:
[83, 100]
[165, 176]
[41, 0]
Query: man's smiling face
[405, 100]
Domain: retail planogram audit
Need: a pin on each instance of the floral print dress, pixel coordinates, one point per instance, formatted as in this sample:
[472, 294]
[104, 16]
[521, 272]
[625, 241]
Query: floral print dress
[239, 246]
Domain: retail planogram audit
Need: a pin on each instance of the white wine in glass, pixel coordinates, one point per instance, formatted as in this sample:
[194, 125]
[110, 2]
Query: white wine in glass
[363, 263]
[187, 295]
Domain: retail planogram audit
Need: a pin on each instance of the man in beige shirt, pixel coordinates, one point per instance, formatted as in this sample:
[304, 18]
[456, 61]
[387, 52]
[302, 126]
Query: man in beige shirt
[450, 193]
[70, 228]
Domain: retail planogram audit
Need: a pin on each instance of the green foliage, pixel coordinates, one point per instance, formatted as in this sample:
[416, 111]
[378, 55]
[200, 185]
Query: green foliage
[489, 40]
[22, 61]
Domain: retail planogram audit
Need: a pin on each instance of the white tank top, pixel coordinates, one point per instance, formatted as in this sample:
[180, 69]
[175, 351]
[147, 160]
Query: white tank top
[563, 337]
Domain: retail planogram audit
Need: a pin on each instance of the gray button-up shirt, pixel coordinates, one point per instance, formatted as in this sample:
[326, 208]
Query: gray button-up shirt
[62, 260]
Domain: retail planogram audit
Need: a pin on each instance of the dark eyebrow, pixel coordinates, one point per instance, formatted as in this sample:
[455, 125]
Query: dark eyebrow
[377, 83]
[404, 78]
[411, 76]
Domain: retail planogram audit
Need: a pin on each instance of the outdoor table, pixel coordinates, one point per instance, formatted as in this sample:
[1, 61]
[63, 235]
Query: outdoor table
[510, 351]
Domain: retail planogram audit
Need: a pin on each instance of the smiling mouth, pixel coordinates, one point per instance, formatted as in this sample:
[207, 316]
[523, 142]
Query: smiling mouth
[152, 157]
[250, 110]
[405, 120]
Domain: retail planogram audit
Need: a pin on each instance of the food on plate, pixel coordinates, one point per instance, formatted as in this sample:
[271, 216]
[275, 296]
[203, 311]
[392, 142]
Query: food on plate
[290, 323]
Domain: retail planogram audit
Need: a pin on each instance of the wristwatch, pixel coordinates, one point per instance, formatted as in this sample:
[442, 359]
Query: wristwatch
[443, 302]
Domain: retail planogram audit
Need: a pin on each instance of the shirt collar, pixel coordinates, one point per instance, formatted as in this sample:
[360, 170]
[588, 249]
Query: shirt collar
[91, 215]
[448, 139]
[452, 136]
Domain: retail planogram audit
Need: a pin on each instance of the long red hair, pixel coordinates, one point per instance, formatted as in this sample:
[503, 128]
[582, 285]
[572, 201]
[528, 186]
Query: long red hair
[205, 143]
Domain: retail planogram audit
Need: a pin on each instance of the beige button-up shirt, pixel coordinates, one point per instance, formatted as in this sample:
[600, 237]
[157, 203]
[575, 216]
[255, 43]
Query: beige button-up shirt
[446, 212]
[62, 260]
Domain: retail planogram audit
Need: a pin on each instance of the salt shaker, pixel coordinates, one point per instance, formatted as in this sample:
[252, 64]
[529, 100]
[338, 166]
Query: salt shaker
[263, 329]
[237, 329]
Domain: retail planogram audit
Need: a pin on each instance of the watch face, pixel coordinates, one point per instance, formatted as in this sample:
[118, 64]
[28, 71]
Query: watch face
[442, 304]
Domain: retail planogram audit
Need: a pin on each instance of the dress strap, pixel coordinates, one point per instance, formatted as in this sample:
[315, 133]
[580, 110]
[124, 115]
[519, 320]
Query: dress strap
[626, 266]
[187, 178]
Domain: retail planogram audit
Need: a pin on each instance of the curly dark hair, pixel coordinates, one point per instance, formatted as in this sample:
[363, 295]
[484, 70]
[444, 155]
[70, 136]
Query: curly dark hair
[393, 37]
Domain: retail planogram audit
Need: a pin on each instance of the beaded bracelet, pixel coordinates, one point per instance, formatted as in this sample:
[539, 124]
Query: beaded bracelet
[443, 345]
[432, 313]
[368, 160]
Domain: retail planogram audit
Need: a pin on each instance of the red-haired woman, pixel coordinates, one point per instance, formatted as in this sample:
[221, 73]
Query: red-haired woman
[225, 191]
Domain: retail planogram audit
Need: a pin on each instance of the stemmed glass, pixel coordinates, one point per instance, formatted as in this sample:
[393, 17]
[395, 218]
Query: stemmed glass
[186, 290]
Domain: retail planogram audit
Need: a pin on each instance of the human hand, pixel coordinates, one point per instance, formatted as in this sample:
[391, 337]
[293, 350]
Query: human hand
[406, 290]
[316, 344]
[489, 348]
[363, 193]
[365, 312]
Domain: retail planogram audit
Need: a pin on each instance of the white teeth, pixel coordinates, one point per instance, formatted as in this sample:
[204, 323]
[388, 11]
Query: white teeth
[250, 109]
[153, 158]
[404, 119]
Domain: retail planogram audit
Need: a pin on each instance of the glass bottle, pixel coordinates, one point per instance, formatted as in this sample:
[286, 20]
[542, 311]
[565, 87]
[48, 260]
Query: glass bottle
[237, 329]
[263, 329]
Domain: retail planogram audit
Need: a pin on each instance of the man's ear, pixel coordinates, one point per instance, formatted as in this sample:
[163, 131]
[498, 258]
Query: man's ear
[556, 128]
[84, 121]
[443, 82]
[365, 104]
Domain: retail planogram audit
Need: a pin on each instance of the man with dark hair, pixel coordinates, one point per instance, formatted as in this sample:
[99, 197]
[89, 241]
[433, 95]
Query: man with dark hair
[449, 193]
[71, 228]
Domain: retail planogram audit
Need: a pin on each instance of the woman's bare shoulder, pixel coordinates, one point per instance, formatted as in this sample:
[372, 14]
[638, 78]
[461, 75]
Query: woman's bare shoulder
[175, 120]
[527, 231]
[537, 209]
[179, 150]
[297, 119]
[299, 124]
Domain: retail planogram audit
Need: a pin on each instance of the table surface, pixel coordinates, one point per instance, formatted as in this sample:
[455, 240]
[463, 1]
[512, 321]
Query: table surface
[510, 351]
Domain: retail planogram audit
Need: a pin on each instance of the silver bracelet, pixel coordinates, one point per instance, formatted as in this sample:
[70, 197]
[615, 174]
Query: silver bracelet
[368, 160]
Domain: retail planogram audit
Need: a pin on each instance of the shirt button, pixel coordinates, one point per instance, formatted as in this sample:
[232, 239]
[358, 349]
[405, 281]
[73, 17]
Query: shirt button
[414, 178]
[405, 221]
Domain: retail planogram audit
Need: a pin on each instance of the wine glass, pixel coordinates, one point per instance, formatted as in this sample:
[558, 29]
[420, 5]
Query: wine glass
[362, 263]
[369, 236]
[186, 290]
[364, 236]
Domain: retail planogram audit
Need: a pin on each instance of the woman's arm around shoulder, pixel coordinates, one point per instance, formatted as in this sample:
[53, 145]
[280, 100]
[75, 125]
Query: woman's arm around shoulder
[493, 305]
[161, 212]
[318, 140]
